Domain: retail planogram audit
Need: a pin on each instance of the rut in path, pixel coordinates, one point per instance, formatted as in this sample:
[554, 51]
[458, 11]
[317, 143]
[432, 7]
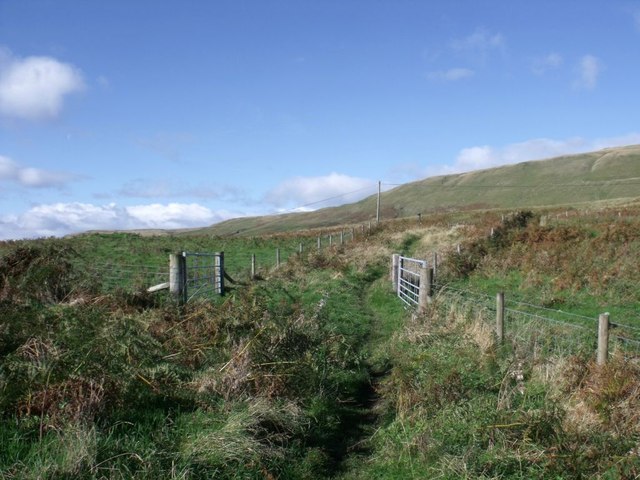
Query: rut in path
[360, 415]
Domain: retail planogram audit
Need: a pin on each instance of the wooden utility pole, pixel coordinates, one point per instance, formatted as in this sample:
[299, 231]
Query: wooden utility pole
[378, 204]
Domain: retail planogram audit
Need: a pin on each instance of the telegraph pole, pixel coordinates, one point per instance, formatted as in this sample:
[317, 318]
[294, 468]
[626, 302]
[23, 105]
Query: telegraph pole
[378, 205]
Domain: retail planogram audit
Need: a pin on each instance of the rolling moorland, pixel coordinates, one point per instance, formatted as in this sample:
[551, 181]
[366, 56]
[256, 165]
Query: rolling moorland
[316, 369]
[612, 173]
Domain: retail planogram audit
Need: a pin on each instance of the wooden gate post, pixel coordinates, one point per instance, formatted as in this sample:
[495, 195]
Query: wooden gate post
[603, 338]
[219, 273]
[426, 287]
[395, 264]
[178, 277]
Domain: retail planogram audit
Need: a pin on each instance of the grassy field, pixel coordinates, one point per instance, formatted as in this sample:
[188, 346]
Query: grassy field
[315, 369]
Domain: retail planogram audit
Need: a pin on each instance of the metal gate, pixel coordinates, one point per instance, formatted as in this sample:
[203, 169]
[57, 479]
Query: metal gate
[408, 280]
[195, 274]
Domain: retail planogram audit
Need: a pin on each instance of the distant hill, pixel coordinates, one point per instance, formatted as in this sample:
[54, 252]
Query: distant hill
[612, 173]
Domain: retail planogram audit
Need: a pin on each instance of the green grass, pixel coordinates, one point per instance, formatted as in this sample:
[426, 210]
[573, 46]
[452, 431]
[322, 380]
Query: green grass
[317, 370]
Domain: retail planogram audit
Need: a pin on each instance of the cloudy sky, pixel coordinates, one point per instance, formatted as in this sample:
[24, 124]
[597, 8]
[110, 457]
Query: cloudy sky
[167, 114]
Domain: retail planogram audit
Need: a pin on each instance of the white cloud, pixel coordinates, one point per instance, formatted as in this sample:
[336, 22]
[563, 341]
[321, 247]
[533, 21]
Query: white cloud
[451, 75]
[332, 189]
[486, 156]
[34, 88]
[172, 215]
[11, 171]
[60, 219]
[480, 42]
[551, 61]
[588, 72]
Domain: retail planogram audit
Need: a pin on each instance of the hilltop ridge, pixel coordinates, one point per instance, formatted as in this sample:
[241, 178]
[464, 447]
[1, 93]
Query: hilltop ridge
[607, 174]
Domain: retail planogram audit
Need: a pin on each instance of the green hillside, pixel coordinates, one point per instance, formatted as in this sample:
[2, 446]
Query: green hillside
[612, 173]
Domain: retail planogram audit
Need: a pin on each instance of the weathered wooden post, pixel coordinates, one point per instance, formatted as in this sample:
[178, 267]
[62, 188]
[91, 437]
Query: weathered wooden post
[178, 277]
[500, 317]
[277, 258]
[219, 273]
[426, 287]
[253, 266]
[301, 248]
[603, 339]
[395, 264]
[435, 266]
[330, 239]
[341, 237]
[459, 249]
[353, 235]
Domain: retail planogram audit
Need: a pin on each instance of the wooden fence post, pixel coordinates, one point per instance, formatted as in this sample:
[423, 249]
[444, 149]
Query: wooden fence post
[341, 237]
[301, 248]
[500, 317]
[435, 266]
[395, 263]
[603, 338]
[330, 239]
[319, 243]
[253, 266]
[277, 258]
[178, 277]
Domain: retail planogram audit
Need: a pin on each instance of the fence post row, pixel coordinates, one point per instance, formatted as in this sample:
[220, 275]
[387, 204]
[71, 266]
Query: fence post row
[425, 287]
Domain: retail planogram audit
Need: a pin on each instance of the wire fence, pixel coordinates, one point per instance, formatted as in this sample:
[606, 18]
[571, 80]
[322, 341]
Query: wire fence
[539, 329]
[203, 274]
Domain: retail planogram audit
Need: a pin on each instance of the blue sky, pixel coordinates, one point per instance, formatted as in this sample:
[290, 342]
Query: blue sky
[168, 114]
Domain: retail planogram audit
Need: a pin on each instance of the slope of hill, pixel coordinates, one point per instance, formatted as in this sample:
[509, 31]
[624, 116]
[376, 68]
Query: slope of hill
[612, 173]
